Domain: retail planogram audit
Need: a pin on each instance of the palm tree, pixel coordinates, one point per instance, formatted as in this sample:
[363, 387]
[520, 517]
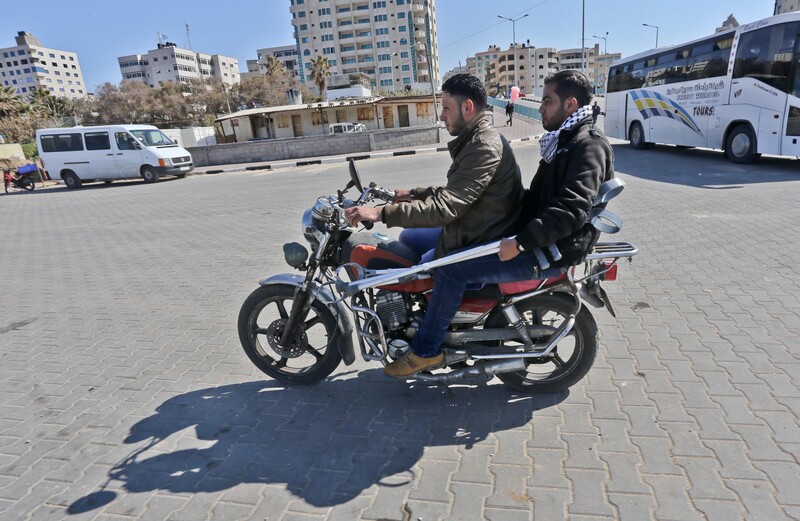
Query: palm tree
[274, 66]
[320, 70]
[10, 103]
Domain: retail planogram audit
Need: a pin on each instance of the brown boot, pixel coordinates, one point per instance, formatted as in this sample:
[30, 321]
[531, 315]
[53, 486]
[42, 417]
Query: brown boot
[410, 363]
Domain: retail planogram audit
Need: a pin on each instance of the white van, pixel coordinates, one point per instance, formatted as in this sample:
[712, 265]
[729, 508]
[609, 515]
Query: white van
[110, 152]
[345, 128]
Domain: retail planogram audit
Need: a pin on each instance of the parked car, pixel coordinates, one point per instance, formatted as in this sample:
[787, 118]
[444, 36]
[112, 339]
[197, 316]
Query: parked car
[110, 152]
[345, 128]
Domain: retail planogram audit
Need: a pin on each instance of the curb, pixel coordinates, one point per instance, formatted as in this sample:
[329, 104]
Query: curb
[339, 159]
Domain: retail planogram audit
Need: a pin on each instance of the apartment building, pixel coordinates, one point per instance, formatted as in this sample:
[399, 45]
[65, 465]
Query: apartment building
[393, 42]
[523, 65]
[287, 54]
[29, 66]
[480, 65]
[169, 62]
[786, 6]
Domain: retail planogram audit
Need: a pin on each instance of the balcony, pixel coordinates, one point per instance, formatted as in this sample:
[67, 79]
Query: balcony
[418, 8]
[419, 21]
[420, 35]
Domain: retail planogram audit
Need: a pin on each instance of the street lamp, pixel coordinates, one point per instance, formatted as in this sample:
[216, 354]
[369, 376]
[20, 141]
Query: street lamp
[514, 36]
[394, 83]
[656, 28]
[605, 56]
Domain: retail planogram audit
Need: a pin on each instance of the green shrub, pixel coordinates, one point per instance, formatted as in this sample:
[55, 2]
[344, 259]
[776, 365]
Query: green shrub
[30, 150]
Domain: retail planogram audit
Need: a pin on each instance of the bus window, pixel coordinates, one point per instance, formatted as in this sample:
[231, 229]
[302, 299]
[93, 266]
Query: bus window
[766, 55]
[709, 59]
[793, 124]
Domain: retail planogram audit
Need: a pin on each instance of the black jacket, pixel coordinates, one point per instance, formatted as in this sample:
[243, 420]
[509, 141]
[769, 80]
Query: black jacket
[555, 207]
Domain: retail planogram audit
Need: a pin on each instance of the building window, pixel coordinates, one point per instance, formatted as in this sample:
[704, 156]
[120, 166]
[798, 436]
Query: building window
[401, 15]
[381, 18]
[283, 121]
[365, 113]
[324, 11]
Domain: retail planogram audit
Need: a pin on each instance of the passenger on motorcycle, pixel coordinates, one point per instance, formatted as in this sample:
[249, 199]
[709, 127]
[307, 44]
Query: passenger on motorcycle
[576, 160]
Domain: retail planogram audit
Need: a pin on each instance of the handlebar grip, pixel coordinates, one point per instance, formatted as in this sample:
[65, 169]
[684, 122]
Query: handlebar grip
[368, 224]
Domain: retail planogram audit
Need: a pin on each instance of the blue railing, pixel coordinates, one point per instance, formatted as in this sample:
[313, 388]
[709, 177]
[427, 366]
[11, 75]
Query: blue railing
[521, 108]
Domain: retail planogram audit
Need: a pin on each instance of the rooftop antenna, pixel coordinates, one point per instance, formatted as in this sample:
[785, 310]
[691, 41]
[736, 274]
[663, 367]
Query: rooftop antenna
[188, 42]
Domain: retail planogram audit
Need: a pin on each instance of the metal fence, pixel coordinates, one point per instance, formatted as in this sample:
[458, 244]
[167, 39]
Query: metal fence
[521, 108]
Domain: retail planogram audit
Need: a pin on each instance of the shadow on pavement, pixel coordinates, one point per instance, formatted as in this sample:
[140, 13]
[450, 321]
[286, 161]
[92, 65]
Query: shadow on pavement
[327, 443]
[88, 186]
[701, 168]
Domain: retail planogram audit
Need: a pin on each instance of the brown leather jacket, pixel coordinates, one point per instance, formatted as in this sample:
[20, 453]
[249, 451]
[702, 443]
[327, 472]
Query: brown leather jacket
[482, 198]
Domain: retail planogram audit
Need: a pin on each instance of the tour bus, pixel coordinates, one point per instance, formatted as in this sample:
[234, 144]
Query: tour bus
[108, 153]
[737, 91]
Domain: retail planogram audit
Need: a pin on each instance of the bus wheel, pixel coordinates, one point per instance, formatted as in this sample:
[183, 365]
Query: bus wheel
[636, 136]
[741, 145]
[71, 180]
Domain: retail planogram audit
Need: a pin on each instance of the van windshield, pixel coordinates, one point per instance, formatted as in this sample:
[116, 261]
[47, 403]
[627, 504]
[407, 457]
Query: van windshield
[152, 137]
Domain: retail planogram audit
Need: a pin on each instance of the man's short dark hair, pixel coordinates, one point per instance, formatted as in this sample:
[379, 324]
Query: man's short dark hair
[466, 86]
[571, 83]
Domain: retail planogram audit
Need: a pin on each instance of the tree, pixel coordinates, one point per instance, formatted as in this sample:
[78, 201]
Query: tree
[264, 91]
[56, 112]
[10, 103]
[274, 66]
[320, 70]
[128, 103]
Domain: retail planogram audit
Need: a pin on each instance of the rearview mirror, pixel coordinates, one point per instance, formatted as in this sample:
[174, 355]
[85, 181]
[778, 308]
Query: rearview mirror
[354, 176]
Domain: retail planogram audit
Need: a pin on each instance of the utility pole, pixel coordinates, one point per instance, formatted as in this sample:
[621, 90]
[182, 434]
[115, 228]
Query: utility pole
[583, 37]
[514, 36]
[605, 58]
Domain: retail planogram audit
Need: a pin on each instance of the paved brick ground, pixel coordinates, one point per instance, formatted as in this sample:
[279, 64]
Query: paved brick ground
[125, 394]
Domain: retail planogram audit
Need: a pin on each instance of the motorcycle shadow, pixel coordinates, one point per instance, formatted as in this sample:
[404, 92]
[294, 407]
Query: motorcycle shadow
[327, 443]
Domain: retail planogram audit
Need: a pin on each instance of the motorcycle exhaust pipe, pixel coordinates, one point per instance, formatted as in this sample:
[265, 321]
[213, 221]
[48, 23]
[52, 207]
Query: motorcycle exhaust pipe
[486, 370]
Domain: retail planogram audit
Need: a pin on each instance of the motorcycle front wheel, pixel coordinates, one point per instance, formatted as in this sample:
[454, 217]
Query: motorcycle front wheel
[570, 360]
[311, 355]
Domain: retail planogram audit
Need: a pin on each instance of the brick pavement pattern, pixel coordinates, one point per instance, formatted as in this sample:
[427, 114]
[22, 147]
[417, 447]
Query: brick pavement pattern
[126, 395]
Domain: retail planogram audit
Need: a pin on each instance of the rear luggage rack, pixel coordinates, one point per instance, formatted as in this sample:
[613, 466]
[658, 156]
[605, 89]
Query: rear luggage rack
[611, 250]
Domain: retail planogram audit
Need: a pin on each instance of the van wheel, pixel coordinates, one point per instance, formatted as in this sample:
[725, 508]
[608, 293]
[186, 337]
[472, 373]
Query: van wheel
[149, 174]
[741, 145]
[71, 180]
[636, 137]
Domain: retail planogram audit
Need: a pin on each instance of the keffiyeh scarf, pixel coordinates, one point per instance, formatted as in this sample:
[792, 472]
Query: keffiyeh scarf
[548, 143]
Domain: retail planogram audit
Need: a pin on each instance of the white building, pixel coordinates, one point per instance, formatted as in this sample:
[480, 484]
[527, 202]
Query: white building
[525, 66]
[394, 42]
[29, 66]
[171, 63]
[287, 54]
[480, 65]
[462, 69]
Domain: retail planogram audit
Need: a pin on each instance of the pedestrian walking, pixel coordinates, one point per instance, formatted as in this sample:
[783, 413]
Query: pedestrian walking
[510, 114]
[595, 112]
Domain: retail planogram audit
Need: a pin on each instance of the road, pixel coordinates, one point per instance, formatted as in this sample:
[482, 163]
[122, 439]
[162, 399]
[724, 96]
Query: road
[126, 395]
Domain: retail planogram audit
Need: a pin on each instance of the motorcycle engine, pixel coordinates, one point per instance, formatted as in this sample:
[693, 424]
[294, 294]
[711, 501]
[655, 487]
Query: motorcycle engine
[393, 310]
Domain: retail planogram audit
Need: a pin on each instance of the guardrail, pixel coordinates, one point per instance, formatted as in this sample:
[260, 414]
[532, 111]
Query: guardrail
[522, 108]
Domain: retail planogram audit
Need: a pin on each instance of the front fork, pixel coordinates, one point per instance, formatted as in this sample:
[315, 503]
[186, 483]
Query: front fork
[303, 297]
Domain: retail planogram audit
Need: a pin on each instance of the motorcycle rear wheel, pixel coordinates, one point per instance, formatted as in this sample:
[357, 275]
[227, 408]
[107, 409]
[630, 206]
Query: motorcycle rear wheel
[27, 184]
[572, 357]
[310, 358]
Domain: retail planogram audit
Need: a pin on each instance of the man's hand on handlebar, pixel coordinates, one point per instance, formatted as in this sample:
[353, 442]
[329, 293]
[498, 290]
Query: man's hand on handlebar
[402, 195]
[359, 214]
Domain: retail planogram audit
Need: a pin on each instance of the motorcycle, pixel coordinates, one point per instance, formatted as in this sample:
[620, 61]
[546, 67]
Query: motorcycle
[23, 180]
[534, 335]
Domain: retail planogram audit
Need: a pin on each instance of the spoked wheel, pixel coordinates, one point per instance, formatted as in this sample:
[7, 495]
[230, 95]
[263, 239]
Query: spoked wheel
[570, 360]
[310, 357]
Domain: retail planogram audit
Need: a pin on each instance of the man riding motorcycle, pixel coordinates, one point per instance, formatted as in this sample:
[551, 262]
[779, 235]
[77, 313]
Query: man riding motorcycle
[479, 203]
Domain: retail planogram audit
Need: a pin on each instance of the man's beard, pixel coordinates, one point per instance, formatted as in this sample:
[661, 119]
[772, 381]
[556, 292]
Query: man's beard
[458, 125]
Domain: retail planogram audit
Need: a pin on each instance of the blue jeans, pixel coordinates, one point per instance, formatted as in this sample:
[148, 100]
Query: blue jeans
[421, 240]
[450, 283]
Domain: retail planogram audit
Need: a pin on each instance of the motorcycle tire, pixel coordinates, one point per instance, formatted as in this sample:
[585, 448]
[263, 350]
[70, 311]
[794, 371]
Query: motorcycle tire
[27, 184]
[261, 319]
[572, 357]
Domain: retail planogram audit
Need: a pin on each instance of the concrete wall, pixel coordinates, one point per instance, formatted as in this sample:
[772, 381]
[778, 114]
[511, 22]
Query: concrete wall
[313, 146]
[9, 150]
